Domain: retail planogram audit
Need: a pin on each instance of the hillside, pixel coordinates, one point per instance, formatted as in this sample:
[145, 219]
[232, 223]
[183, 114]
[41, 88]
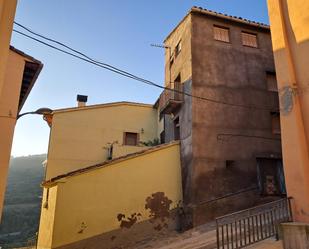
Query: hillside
[22, 200]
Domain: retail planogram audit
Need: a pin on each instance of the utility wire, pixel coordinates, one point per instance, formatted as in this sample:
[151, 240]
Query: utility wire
[109, 67]
[74, 50]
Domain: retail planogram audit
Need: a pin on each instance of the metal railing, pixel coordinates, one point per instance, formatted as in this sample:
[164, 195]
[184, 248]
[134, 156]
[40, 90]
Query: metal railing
[168, 95]
[243, 228]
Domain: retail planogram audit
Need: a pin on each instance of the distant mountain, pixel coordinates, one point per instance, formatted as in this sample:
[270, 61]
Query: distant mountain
[20, 219]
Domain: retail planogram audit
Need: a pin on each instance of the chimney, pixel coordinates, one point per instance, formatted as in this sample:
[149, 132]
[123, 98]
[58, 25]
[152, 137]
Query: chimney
[81, 100]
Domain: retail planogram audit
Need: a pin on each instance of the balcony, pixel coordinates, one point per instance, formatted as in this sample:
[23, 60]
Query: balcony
[170, 101]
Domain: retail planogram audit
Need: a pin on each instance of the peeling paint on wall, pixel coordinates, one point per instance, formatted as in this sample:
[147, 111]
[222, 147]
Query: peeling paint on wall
[286, 100]
[83, 226]
[159, 207]
[129, 221]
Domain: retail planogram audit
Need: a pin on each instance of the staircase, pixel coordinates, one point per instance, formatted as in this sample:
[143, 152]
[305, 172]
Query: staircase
[202, 237]
[251, 228]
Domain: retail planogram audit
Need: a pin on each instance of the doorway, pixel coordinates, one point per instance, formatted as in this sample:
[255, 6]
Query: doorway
[271, 177]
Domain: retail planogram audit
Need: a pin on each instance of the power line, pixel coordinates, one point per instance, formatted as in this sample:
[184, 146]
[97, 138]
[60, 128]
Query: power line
[124, 73]
[75, 51]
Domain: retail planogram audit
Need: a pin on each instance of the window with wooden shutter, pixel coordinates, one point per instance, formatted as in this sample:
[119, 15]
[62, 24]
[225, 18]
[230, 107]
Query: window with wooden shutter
[221, 34]
[249, 40]
[130, 138]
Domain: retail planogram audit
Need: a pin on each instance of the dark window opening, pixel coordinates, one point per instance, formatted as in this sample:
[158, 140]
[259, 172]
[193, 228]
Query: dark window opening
[130, 138]
[178, 49]
[176, 129]
[275, 123]
[162, 137]
[178, 79]
[171, 61]
[229, 163]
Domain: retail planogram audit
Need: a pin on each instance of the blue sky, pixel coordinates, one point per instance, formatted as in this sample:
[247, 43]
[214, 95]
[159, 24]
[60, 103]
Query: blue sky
[116, 32]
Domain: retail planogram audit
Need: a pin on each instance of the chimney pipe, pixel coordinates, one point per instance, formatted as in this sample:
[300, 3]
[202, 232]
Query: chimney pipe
[81, 100]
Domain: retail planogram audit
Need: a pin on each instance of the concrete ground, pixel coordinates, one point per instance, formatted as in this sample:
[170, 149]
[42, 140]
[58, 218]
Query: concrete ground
[267, 244]
[203, 237]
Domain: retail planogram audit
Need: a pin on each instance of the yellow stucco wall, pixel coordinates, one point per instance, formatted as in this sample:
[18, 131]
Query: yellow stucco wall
[289, 20]
[96, 198]
[80, 136]
[8, 111]
[47, 219]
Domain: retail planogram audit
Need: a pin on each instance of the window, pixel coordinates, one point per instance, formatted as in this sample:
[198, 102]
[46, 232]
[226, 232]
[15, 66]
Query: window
[130, 138]
[275, 123]
[178, 48]
[178, 79]
[271, 82]
[229, 163]
[176, 129]
[162, 137]
[221, 34]
[249, 40]
[171, 61]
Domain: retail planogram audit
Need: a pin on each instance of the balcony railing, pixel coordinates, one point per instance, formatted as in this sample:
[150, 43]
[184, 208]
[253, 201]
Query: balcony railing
[170, 100]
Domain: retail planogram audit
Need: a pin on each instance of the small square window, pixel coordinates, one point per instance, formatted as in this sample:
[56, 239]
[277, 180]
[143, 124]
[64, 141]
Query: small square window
[130, 138]
[249, 40]
[229, 163]
[221, 34]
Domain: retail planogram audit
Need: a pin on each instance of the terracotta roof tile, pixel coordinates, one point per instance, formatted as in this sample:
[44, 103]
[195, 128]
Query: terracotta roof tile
[226, 16]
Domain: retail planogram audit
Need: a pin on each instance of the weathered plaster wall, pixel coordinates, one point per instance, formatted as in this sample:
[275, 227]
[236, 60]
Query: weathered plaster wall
[81, 137]
[140, 190]
[47, 219]
[232, 73]
[182, 64]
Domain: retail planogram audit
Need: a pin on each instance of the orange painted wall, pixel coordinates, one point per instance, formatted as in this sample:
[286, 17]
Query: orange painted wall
[289, 21]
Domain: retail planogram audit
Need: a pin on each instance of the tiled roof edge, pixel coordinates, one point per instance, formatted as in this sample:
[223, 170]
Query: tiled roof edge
[108, 163]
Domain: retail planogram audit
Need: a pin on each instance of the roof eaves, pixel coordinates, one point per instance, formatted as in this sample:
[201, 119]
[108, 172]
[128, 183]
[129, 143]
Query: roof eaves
[111, 104]
[53, 180]
[196, 9]
[29, 57]
[201, 10]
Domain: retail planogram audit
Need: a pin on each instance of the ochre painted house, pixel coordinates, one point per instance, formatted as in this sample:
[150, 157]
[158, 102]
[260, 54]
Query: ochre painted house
[95, 195]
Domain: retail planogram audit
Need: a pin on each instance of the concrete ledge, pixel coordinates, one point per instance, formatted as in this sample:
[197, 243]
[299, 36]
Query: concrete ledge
[295, 235]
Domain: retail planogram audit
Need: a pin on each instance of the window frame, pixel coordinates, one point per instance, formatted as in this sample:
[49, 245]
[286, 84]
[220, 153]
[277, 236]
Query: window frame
[243, 32]
[215, 26]
[125, 138]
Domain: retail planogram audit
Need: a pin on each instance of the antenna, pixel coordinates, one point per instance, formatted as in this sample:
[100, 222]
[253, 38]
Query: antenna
[159, 46]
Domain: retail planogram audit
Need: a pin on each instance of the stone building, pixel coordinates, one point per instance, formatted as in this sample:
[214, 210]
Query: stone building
[230, 129]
